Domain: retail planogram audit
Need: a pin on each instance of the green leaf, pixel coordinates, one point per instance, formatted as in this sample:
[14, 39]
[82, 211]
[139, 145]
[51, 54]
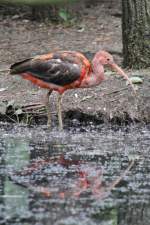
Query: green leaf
[136, 80]
[63, 15]
[35, 2]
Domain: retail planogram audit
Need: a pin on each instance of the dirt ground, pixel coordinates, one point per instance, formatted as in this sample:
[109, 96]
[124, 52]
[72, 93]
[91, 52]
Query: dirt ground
[99, 27]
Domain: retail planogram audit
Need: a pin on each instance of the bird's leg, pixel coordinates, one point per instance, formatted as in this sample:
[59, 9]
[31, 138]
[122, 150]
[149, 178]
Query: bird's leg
[59, 112]
[47, 105]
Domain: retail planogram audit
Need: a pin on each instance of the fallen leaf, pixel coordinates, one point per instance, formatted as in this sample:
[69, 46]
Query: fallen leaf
[86, 98]
[135, 80]
[81, 29]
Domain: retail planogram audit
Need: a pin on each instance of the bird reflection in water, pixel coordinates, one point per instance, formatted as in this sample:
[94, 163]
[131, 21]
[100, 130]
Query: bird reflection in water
[47, 177]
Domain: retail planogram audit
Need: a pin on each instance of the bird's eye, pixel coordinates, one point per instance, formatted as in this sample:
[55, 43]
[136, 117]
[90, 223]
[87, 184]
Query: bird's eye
[108, 59]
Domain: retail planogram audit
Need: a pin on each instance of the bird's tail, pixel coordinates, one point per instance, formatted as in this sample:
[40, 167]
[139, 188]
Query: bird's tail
[4, 70]
[20, 67]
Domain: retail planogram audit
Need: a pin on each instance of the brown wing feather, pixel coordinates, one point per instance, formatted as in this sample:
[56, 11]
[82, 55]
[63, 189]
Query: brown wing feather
[20, 67]
[60, 68]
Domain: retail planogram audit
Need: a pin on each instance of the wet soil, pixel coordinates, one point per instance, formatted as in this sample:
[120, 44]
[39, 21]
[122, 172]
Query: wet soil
[98, 27]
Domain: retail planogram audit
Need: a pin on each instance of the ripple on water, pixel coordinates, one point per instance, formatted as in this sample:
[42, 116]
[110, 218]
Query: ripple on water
[61, 177]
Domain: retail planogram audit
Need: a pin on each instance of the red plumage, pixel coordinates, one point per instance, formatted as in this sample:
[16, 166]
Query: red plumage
[64, 70]
[57, 71]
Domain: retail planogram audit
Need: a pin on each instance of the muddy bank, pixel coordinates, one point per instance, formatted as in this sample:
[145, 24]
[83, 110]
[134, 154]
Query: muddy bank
[112, 101]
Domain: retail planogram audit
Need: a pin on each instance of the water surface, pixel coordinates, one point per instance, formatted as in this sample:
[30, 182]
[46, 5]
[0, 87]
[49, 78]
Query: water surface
[61, 178]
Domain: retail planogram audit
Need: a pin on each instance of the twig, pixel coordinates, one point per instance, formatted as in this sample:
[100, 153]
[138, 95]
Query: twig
[116, 91]
[110, 93]
[10, 118]
[33, 105]
[86, 98]
[113, 100]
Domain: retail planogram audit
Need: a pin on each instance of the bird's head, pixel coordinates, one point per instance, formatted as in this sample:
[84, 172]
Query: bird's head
[104, 58]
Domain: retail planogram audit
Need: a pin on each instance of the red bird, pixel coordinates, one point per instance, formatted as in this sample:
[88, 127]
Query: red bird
[63, 70]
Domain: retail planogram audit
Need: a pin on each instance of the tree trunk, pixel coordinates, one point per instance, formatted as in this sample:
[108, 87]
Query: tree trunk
[136, 33]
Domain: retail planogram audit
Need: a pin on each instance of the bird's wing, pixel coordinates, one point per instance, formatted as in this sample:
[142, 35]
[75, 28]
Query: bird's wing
[61, 68]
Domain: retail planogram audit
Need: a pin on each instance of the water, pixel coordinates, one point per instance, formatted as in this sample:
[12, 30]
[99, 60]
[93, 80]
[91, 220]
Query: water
[65, 178]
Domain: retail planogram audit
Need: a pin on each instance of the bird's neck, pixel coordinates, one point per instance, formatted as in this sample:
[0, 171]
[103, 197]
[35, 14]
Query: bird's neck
[95, 76]
[98, 69]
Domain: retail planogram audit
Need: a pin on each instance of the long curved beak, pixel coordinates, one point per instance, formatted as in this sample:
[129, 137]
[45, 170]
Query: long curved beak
[121, 72]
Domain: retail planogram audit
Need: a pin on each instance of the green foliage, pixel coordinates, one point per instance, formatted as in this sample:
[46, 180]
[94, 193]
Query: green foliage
[64, 15]
[136, 80]
[36, 2]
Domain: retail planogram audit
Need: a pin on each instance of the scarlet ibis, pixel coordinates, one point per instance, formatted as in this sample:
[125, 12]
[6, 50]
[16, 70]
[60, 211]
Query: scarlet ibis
[63, 70]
